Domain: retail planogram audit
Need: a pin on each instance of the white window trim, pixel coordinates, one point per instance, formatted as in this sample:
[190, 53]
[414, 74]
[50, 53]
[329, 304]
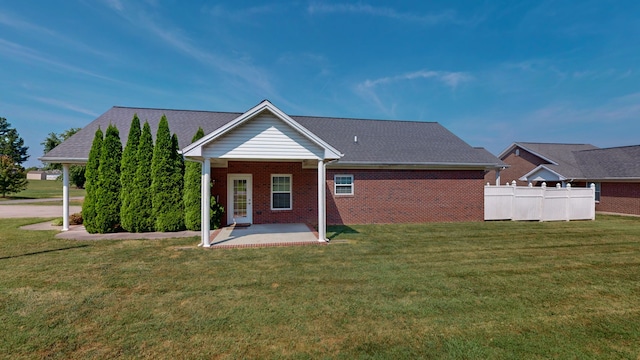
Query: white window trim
[290, 192]
[335, 185]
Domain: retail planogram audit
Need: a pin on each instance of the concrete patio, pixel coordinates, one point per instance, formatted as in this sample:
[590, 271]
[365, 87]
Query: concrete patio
[265, 235]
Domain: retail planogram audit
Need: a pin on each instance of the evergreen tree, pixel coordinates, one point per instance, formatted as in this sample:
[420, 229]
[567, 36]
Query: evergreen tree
[166, 181]
[142, 219]
[11, 144]
[192, 191]
[91, 184]
[13, 178]
[108, 191]
[128, 169]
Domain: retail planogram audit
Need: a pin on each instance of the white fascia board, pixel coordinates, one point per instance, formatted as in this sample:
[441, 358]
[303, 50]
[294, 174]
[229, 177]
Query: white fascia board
[63, 160]
[541, 167]
[515, 144]
[195, 149]
[421, 166]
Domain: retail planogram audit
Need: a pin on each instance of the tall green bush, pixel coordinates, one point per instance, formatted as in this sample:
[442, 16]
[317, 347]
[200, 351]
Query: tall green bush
[108, 192]
[166, 181]
[192, 190]
[128, 168]
[142, 219]
[91, 183]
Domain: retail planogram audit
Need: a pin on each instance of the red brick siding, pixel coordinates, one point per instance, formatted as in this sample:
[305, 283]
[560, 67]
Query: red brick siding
[304, 197]
[520, 165]
[623, 198]
[381, 196]
[407, 196]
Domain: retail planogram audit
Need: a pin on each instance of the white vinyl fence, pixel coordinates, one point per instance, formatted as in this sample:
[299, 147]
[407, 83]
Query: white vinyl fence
[511, 202]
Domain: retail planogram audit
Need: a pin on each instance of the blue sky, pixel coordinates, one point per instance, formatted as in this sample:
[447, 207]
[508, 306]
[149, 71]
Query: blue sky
[492, 72]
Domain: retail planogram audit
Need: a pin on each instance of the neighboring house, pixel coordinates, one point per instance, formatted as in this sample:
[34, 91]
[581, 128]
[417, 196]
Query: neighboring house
[36, 175]
[615, 171]
[44, 175]
[265, 166]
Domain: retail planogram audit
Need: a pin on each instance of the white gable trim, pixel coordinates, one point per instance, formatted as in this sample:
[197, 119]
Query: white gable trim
[195, 149]
[531, 173]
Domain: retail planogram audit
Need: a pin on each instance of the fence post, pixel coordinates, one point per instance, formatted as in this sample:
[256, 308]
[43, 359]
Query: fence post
[593, 196]
[568, 202]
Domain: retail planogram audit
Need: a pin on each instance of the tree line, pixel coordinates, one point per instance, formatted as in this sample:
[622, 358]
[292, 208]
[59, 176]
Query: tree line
[145, 187]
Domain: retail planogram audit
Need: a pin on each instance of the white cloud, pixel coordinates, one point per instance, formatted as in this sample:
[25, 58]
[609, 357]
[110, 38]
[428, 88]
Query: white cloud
[451, 79]
[368, 88]
[444, 17]
[15, 22]
[63, 105]
[27, 54]
[176, 38]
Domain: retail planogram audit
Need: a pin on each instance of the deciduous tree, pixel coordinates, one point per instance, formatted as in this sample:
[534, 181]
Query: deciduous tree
[11, 144]
[13, 178]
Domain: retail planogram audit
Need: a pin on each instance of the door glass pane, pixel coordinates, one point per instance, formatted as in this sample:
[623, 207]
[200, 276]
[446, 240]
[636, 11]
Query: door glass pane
[239, 198]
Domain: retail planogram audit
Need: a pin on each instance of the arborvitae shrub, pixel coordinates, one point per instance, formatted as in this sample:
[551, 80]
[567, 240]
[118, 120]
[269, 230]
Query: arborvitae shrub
[166, 181]
[192, 191]
[108, 192]
[91, 183]
[142, 217]
[128, 168]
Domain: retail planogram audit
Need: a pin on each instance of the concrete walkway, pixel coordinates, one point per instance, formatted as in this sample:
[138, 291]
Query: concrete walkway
[265, 235]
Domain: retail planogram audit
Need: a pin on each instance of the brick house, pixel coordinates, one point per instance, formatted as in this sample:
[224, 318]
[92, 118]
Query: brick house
[265, 166]
[615, 171]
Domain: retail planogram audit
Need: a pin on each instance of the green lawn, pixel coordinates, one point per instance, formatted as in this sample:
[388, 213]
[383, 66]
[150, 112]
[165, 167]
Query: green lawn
[43, 189]
[499, 290]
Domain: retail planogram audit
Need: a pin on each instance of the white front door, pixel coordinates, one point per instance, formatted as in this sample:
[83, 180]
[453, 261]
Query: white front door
[239, 189]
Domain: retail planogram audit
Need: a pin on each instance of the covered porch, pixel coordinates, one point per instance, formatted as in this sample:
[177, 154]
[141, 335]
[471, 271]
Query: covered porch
[263, 168]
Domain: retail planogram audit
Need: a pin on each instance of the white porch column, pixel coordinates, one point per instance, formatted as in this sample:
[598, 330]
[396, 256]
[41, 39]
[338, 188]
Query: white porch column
[497, 177]
[65, 197]
[206, 202]
[322, 198]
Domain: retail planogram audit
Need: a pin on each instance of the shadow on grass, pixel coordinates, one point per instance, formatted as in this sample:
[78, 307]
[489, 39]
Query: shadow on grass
[43, 252]
[338, 230]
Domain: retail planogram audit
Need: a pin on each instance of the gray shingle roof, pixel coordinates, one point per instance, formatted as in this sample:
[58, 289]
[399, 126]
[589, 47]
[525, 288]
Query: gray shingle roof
[379, 141]
[610, 163]
[562, 154]
[588, 162]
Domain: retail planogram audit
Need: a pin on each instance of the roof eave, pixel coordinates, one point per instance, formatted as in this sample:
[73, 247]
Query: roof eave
[415, 165]
[63, 160]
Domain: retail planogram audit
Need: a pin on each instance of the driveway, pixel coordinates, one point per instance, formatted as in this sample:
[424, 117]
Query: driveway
[35, 211]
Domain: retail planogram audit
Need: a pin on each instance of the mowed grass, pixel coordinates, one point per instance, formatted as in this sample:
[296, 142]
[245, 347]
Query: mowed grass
[43, 189]
[499, 290]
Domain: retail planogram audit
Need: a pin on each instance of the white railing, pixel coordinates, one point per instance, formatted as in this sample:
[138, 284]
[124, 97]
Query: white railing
[511, 202]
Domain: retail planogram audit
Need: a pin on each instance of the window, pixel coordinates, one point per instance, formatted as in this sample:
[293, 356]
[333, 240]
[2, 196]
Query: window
[280, 192]
[343, 184]
[597, 191]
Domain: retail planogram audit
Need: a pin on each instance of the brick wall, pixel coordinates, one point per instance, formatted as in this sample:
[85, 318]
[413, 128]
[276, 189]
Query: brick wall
[623, 198]
[304, 197]
[520, 165]
[407, 196]
[381, 196]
